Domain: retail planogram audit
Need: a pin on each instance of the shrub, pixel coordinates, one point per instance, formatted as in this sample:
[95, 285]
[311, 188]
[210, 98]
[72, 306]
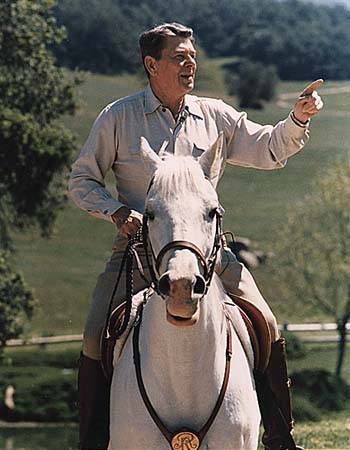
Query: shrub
[42, 394]
[324, 389]
[294, 346]
[304, 409]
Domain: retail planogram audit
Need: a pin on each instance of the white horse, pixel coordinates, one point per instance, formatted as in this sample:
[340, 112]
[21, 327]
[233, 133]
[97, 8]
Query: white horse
[183, 333]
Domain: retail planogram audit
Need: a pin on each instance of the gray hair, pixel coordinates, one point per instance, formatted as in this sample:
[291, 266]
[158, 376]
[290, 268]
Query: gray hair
[152, 41]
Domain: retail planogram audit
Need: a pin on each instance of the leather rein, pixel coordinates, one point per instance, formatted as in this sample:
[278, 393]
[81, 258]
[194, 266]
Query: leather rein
[184, 438]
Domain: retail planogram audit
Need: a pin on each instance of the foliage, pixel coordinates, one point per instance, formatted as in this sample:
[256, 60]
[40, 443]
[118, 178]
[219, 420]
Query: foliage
[253, 84]
[294, 345]
[302, 40]
[324, 389]
[304, 409]
[16, 302]
[313, 250]
[45, 395]
[34, 93]
[35, 148]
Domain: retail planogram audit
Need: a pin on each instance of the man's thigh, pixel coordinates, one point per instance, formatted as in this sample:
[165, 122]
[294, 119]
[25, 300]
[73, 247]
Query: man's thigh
[238, 281]
[102, 297]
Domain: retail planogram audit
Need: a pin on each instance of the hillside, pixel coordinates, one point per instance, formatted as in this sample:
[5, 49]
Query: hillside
[63, 270]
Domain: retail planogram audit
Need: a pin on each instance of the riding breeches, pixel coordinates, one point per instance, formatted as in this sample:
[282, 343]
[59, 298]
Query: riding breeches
[235, 277]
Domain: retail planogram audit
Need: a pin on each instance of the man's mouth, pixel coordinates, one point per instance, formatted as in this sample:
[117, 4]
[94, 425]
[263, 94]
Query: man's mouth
[189, 77]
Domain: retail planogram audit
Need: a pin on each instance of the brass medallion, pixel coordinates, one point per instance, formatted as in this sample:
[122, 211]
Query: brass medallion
[185, 440]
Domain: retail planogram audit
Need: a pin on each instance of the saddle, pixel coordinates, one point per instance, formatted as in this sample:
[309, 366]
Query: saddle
[254, 321]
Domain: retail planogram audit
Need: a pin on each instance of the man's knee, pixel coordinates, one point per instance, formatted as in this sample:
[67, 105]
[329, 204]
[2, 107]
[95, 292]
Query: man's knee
[238, 281]
[91, 345]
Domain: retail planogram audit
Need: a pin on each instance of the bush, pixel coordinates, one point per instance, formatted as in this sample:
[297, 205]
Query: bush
[295, 347]
[324, 389]
[253, 84]
[304, 409]
[42, 394]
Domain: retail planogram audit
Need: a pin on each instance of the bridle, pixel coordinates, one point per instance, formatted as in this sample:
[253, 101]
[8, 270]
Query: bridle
[207, 264]
[184, 438]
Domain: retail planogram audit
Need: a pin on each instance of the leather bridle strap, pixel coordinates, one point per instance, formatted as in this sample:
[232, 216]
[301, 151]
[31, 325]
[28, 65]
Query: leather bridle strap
[208, 265]
[166, 433]
[185, 245]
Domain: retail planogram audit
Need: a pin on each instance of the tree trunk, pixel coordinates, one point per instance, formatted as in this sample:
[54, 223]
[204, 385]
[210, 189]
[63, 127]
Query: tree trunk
[341, 346]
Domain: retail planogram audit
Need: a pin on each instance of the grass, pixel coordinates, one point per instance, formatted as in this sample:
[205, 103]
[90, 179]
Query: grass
[31, 364]
[63, 269]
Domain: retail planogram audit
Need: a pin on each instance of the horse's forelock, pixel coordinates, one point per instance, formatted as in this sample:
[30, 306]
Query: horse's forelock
[180, 175]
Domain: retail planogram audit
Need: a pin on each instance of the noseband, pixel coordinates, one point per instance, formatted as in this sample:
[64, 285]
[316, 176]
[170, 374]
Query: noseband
[208, 265]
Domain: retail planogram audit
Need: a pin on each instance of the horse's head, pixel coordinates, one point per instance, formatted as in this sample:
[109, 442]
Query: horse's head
[182, 226]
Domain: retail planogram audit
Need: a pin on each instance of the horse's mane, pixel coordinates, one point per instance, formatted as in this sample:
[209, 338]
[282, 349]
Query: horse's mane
[179, 175]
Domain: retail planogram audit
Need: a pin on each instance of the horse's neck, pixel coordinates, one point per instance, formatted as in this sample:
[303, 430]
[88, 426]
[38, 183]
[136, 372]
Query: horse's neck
[185, 347]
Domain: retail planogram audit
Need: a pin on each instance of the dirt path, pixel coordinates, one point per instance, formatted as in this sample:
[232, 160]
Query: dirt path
[283, 100]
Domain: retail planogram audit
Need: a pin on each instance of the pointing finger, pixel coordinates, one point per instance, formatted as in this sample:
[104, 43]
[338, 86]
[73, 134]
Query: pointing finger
[312, 87]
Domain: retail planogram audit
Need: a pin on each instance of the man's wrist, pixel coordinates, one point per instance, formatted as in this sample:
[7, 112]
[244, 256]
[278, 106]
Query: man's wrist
[299, 122]
[121, 216]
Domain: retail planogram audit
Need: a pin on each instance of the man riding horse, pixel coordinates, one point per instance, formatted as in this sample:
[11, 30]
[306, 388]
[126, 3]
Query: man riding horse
[171, 121]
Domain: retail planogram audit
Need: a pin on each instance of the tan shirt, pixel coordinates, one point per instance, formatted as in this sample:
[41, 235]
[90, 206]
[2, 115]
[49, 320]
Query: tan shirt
[114, 143]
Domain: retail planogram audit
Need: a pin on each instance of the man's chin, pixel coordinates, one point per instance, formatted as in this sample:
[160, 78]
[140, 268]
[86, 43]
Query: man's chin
[188, 87]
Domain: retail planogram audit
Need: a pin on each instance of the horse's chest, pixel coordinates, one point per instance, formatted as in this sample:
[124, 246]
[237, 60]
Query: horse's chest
[187, 405]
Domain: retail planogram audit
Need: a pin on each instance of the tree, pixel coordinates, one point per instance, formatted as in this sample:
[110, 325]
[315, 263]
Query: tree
[253, 83]
[35, 147]
[16, 302]
[313, 251]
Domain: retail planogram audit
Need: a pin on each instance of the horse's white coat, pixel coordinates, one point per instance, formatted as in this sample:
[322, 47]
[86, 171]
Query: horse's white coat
[183, 367]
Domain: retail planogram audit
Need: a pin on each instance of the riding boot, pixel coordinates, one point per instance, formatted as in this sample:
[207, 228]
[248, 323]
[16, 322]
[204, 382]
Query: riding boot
[93, 405]
[275, 403]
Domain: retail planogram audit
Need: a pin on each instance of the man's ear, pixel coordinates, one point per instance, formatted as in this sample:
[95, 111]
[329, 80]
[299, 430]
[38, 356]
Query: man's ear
[213, 160]
[151, 65]
[149, 156]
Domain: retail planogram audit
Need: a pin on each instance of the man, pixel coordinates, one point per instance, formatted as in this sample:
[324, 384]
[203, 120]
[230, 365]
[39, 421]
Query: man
[175, 122]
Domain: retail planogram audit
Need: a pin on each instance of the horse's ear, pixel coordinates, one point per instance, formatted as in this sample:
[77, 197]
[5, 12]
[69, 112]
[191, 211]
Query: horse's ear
[149, 156]
[213, 160]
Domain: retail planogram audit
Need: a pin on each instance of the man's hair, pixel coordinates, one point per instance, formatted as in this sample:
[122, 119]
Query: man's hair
[153, 41]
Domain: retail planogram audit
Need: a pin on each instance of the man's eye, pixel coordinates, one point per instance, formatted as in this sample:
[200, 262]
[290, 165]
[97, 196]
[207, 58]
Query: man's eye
[180, 57]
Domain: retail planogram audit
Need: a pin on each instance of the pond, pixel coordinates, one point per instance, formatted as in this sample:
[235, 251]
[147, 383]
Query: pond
[33, 437]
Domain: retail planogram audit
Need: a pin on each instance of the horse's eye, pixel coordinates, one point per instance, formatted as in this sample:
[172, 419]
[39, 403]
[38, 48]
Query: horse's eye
[212, 213]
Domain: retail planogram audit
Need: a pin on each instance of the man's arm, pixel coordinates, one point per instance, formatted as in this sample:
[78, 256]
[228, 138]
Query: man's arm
[268, 147]
[87, 179]
[87, 186]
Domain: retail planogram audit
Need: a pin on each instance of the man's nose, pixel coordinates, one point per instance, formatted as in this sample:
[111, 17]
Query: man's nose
[191, 62]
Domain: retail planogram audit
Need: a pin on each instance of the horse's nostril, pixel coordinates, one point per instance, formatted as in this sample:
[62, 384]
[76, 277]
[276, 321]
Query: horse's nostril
[164, 285]
[199, 287]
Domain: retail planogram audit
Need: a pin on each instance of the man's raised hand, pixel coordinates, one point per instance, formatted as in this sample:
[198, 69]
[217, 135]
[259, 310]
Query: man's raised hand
[309, 103]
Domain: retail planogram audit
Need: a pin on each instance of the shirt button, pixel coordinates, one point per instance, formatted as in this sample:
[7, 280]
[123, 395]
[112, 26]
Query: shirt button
[164, 109]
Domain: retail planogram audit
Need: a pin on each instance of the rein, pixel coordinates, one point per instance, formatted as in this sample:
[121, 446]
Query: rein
[184, 438]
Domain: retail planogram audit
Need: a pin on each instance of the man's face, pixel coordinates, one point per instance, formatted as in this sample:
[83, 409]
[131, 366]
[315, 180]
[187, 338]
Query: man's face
[177, 66]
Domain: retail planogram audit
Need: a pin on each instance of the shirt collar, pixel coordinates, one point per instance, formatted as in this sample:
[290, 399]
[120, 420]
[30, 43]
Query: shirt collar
[152, 103]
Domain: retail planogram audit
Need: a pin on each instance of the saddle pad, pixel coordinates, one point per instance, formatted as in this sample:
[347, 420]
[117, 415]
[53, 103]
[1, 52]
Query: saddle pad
[258, 331]
[112, 347]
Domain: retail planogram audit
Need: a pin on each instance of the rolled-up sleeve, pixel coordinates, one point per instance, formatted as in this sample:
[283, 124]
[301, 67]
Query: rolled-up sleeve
[261, 146]
[86, 185]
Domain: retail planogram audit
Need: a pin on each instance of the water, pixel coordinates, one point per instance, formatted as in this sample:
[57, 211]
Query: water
[55, 437]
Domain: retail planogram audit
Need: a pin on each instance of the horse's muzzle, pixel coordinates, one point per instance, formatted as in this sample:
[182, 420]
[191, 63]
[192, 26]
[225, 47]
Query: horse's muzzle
[182, 298]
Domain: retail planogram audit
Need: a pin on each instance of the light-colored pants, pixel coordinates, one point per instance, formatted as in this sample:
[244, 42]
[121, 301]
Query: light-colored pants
[235, 277]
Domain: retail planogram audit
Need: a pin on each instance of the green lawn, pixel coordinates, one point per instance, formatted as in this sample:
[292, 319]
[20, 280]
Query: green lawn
[63, 269]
